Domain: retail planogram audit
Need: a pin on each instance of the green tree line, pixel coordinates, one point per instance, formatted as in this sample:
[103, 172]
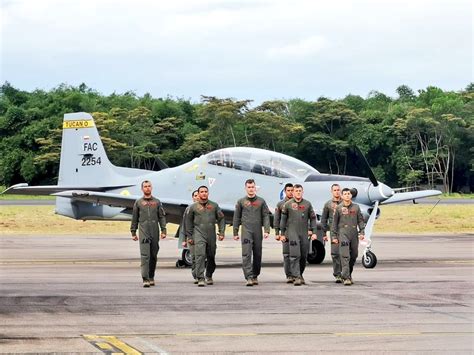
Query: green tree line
[423, 138]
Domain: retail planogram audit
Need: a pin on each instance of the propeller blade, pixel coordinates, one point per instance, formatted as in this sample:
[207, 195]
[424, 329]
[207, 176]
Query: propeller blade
[370, 223]
[371, 174]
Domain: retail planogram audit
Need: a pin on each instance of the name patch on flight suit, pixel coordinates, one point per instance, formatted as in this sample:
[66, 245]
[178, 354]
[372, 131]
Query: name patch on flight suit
[149, 203]
[294, 206]
[250, 203]
[345, 210]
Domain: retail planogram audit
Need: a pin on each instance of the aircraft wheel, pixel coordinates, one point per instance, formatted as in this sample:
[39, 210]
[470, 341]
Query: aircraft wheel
[369, 260]
[318, 254]
[187, 258]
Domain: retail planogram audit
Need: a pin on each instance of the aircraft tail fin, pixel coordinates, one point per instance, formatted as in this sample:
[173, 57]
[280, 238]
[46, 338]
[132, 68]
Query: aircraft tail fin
[84, 161]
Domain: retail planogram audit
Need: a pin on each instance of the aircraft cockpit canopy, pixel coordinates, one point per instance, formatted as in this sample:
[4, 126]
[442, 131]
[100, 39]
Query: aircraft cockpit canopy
[260, 161]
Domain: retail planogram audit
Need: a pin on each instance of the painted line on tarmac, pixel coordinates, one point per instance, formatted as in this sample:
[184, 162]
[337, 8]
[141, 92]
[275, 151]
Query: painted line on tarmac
[347, 334]
[110, 344]
[151, 346]
[81, 262]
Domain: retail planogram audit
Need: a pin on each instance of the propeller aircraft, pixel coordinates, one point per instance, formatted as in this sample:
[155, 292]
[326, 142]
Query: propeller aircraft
[90, 187]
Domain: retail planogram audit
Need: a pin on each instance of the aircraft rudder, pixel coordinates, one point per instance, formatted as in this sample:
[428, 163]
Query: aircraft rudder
[83, 157]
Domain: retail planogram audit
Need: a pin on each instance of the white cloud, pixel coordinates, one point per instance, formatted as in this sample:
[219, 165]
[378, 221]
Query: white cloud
[306, 47]
[279, 48]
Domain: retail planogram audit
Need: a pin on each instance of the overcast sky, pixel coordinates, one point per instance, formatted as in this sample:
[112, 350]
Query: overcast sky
[256, 50]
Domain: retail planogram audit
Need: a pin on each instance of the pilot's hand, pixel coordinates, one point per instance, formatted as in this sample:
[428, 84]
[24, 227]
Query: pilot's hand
[221, 237]
[266, 235]
[277, 237]
[325, 238]
[335, 241]
[134, 237]
[163, 235]
[361, 237]
[190, 241]
[282, 238]
[184, 244]
[236, 237]
[314, 237]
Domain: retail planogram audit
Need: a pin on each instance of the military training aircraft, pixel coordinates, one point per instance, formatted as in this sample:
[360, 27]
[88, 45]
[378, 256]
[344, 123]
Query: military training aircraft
[90, 187]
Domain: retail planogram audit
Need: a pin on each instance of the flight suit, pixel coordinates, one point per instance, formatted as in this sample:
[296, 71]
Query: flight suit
[147, 213]
[201, 229]
[347, 224]
[286, 244]
[252, 214]
[326, 222]
[295, 218]
[182, 238]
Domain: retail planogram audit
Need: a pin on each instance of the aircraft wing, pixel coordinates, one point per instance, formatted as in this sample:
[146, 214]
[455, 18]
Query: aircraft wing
[24, 189]
[174, 208]
[413, 195]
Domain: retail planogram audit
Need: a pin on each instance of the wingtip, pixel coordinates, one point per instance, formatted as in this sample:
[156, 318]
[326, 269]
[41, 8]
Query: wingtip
[13, 187]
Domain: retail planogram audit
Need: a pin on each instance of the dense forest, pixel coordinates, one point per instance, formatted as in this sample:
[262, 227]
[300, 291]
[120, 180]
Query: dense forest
[418, 138]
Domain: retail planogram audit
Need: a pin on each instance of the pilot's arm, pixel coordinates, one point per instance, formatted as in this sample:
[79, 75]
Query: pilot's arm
[312, 222]
[335, 227]
[220, 222]
[276, 222]
[190, 224]
[182, 228]
[283, 222]
[135, 217]
[162, 220]
[360, 223]
[237, 220]
[266, 219]
[325, 218]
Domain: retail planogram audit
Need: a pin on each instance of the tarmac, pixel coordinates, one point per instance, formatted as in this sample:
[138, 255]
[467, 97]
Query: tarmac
[83, 294]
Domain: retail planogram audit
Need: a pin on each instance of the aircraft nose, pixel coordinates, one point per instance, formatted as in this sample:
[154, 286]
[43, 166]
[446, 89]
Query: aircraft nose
[381, 192]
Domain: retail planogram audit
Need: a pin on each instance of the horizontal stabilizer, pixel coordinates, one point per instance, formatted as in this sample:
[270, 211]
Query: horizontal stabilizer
[100, 198]
[413, 195]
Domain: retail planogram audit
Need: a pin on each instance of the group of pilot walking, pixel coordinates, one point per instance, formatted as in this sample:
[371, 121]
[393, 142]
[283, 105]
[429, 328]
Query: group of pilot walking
[294, 222]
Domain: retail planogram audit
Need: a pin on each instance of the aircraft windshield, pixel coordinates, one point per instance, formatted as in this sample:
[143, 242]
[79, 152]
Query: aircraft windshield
[260, 161]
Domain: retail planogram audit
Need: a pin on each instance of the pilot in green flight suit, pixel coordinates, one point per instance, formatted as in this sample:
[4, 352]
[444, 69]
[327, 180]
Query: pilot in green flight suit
[326, 222]
[296, 215]
[147, 213]
[182, 236]
[347, 225]
[276, 225]
[201, 232]
[252, 213]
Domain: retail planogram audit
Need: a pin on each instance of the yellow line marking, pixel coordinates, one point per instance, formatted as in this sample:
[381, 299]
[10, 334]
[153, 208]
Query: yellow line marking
[121, 345]
[376, 334]
[217, 334]
[382, 334]
[111, 343]
[105, 346]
